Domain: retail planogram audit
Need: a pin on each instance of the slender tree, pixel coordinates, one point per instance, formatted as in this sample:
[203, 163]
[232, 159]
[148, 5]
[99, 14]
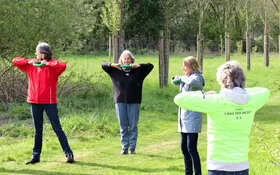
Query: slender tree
[265, 19]
[112, 18]
[202, 7]
[168, 8]
[278, 10]
[248, 40]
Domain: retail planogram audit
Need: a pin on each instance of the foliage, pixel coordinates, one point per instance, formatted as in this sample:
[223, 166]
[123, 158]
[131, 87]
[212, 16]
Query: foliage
[12, 85]
[97, 39]
[16, 130]
[24, 23]
[111, 14]
[84, 26]
[143, 20]
[19, 111]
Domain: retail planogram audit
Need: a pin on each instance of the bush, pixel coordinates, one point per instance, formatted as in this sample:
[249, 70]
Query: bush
[20, 111]
[16, 129]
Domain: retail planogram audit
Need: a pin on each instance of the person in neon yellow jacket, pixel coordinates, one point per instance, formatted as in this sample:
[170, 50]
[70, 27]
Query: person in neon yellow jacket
[230, 114]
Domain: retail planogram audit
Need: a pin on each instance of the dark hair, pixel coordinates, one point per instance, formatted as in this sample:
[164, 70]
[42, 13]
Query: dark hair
[45, 49]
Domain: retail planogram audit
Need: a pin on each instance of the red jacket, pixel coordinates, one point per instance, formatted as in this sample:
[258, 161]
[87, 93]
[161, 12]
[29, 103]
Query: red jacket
[42, 81]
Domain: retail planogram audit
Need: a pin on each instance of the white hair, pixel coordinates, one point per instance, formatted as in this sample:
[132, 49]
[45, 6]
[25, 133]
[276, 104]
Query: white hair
[130, 55]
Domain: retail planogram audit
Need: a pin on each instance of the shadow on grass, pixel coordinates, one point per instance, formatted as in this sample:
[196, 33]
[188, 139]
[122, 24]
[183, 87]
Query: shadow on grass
[159, 156]
[129, 168]
[40, 172]
[268, 113]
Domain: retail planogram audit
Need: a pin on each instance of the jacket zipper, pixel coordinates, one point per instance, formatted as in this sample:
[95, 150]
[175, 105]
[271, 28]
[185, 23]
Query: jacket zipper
[50, 95]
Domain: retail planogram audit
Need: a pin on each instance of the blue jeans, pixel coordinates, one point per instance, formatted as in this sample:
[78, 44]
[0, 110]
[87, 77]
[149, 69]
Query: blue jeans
[191, 156]
[128, 116]
[37, 116]
[215, 172]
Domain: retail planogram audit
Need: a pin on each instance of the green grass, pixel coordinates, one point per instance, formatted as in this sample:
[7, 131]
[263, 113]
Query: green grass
[92, 128]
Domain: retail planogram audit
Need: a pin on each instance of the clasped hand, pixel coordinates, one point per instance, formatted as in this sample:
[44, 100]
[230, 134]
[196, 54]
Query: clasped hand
[34, 61]
[118, 65]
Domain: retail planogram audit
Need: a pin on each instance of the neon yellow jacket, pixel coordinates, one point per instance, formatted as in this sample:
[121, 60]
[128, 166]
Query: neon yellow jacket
[229, 125]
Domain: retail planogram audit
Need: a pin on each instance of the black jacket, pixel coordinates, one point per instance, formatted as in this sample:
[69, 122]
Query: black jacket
[128, 85]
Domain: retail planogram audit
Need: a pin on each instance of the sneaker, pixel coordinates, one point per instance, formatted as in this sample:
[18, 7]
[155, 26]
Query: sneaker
[132, 151]
[33, 161]
[70, 158]
[124, 151]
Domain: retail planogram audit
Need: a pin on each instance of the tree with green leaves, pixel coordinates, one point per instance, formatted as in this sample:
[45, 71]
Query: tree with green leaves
[24, 23]
[111, 15]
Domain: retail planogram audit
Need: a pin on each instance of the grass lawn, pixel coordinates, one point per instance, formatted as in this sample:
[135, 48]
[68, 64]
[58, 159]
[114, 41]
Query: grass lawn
[158, 148]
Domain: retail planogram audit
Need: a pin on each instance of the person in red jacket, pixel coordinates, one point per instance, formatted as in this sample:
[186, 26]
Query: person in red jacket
[43, 73]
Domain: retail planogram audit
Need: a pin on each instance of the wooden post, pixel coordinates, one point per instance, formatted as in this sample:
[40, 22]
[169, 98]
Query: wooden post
[163, 60]
[118, 45]
[110, 48]
[266, 47]
[166, 58]
[227, 46]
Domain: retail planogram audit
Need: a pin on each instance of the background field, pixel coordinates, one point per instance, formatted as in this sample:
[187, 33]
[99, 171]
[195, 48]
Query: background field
[88, 118]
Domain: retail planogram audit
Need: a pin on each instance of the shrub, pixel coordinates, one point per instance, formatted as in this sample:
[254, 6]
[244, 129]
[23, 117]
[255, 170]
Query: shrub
[19, 111]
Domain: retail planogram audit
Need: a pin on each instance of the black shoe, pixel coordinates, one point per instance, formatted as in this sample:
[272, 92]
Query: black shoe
[70, 158]
[33, 161]
[124, 151]
[132, 151]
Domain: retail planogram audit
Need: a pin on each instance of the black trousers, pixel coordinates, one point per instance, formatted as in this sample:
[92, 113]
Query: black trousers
[191, 156]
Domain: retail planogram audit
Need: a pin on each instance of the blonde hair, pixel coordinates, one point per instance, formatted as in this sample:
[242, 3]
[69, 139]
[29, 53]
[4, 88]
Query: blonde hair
[230, 75]
[191, 63]
[130, 55]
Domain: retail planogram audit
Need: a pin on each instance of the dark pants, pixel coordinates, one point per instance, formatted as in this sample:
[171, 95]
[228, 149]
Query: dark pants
[37, 116]
[215, 172]
[191, 156]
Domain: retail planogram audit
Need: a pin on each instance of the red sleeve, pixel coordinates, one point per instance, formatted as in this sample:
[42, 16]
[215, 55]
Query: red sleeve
[59, 66]
[21, 63]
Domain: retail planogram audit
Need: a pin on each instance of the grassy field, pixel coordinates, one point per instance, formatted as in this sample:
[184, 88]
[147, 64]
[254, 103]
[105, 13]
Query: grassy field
[92, 128]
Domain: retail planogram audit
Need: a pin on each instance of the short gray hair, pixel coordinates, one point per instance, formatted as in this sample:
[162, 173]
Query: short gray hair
[129, 53]
[230, 75]
[45, 49]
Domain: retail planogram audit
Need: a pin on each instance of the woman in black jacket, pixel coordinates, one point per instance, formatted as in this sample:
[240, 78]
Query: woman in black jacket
[127, 78]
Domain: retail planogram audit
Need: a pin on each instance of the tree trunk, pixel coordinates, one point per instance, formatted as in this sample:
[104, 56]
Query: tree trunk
[200, 51]
[118, 45]
[221, 45]
[279, 44]
[248, 50]
[266, 46]
[248, 40]
[241, 47]
[121, 14]
[227, 46]
[110, 48]
[163, 60]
